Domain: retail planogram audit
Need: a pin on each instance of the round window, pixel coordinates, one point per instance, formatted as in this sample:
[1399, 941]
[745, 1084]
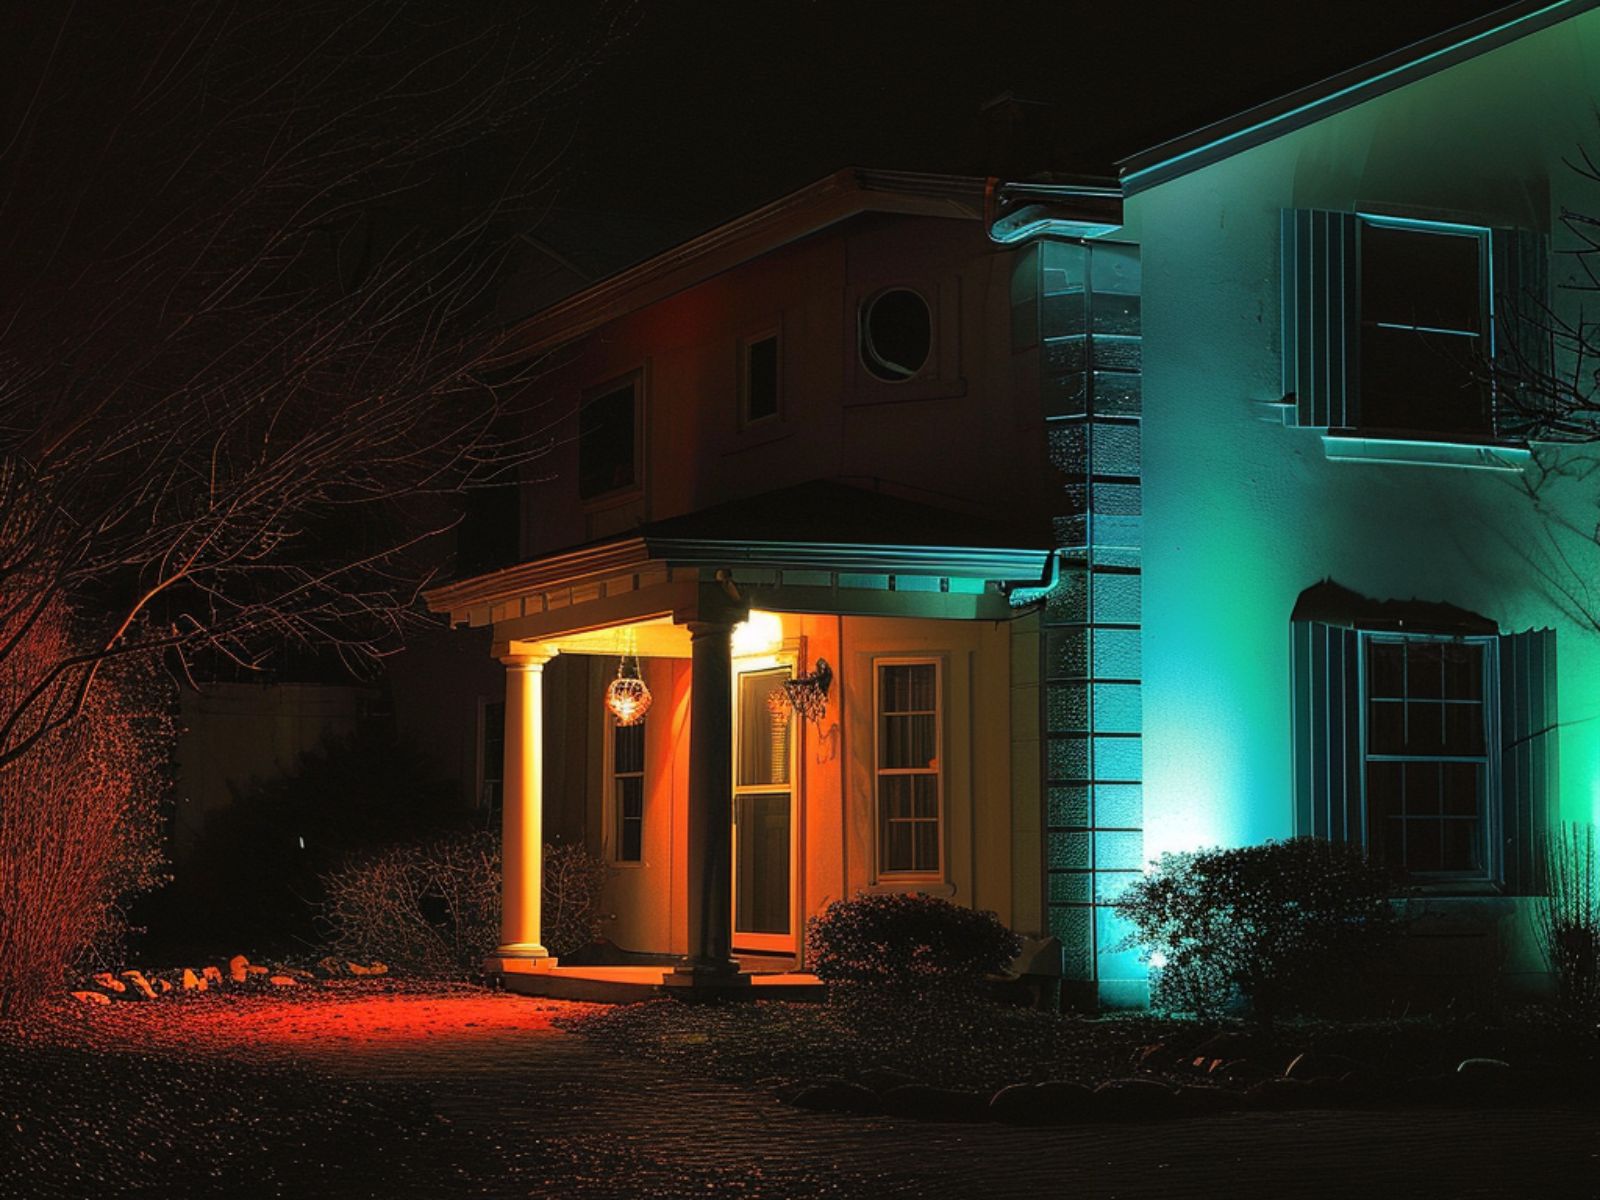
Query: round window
[896, 334]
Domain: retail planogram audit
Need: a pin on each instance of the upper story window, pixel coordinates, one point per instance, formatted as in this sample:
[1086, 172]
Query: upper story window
[759, 387]
[609, 426]
[1424, 328]
[896, 334]
[1393, 327]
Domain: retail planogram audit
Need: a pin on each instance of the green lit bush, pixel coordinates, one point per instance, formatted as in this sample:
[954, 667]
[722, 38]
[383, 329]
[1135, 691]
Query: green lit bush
[1284, 927]
[908, 944]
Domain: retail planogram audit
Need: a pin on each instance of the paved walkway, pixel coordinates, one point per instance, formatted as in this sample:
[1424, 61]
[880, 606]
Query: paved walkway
[575, 1121]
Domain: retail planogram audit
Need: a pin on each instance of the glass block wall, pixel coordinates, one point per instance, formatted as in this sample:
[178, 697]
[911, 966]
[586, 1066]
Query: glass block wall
[1077, 305]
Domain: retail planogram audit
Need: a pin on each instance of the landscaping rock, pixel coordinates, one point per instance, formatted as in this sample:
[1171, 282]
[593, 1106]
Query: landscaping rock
[330, 967]
[1242, 1070]
[836, 1095]
[1280, 1092]
[255, 972]
[935, 1104]
[210, 975]
[283, 981]
[238, 968]
[91, 997]
[109, 981]
[1316, 1065]
[192, 982]
[1136, 1100]
[1482, 1066]
[141, 985]
[1198, 1099]
[376, 968]
[883, 1079]
[1063, 1102]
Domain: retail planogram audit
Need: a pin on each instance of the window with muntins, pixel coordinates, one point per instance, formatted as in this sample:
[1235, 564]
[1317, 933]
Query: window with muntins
[909, 773]
[1394, 327]
[1424, 329]
[1427, 755]
[1437, 752]
[492, 756]
[627, 789]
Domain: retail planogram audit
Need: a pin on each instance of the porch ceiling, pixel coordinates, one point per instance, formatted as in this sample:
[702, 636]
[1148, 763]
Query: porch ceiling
[657, 637]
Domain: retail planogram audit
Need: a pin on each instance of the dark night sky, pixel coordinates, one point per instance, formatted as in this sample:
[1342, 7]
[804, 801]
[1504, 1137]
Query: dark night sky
[708, 108]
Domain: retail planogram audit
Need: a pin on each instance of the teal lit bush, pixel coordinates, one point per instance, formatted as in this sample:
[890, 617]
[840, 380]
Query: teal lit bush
[908, 944]
[1281, 928]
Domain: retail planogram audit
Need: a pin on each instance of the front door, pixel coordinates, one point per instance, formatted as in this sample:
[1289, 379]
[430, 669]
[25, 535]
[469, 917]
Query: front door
[764, 846]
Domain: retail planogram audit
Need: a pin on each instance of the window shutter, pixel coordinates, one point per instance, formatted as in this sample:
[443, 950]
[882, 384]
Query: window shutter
[1521, 262]
[1528, 752]
[1326, 708]
[1318, 305]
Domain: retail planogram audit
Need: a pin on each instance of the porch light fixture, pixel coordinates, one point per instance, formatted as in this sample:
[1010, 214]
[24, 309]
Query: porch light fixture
[808, 694]
[627, 696]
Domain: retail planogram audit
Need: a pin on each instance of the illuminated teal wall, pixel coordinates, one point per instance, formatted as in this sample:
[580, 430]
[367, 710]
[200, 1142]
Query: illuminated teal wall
[1241, 513]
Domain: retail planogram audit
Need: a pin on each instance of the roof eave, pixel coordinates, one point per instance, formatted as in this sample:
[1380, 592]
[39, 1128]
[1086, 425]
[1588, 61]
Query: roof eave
[1223, 139]
[835, 198]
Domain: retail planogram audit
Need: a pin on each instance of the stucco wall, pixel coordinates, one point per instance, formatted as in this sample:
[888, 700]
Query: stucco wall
[1242, 513]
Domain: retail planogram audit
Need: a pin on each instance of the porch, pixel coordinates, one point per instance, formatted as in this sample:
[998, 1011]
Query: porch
[731, 813]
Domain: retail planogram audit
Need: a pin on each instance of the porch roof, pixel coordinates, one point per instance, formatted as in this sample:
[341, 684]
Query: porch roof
[822, 526]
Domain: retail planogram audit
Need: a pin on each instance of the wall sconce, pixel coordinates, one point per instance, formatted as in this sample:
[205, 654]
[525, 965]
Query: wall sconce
[808, 694]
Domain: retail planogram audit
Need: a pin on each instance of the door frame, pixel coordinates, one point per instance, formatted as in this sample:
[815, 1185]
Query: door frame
[786, 658]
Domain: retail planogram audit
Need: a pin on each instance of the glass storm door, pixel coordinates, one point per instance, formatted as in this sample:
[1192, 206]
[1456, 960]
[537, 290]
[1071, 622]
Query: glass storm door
[763, 813]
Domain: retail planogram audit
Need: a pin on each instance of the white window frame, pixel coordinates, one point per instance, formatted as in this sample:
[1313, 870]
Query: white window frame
[1484, 236]
[480, 800]
[1490, 816]
[880, 874]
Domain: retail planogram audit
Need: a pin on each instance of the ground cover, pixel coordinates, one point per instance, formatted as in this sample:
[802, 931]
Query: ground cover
[215, 1093]
[981, 1046]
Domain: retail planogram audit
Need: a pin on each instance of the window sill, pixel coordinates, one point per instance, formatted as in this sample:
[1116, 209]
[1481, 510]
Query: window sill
[890, 885]
[1356, 447]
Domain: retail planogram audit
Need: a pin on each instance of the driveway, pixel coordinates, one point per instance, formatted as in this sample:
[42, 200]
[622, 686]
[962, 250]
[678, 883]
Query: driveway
[559, 1117]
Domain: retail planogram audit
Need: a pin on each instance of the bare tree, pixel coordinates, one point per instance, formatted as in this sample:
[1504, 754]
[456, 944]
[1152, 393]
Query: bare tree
[249, 254]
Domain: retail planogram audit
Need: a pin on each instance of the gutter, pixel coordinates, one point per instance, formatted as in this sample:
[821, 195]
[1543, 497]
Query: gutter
[1020, 212]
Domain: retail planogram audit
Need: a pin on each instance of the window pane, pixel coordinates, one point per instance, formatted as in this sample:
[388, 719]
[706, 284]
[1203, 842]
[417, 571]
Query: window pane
[1386, 667]
[761, 379]
[1424, 670]
[763, 729]
[630, 818]
[1425, 728]
[1418, 277]
[605, 443]
[1462, 847]
[1421, 789]
[1386, 727]
[1463, 670]
[627, 748]
[1421, 383]
[1460, 788]
[1464, 729]
[761, 902]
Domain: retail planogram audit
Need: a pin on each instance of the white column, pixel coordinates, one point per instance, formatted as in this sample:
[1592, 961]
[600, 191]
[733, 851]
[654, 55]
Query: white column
[522, 806]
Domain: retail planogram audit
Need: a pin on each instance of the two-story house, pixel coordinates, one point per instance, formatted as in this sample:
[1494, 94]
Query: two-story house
[1175, 508]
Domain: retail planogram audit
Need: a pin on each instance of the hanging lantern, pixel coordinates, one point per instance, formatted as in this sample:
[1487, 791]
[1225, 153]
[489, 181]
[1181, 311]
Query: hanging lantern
[627, 696]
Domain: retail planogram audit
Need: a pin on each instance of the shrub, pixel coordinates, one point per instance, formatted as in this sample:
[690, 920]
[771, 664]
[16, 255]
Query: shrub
[1568, 917]
[80, 811]
[573, 880]
[1281, 926]
[254, 877]
[908, 943]
[432, 908]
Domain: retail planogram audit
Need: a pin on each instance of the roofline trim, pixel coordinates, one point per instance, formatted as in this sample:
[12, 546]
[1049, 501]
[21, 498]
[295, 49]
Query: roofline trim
[845, 193]
[1222, 139]
[998, 564]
